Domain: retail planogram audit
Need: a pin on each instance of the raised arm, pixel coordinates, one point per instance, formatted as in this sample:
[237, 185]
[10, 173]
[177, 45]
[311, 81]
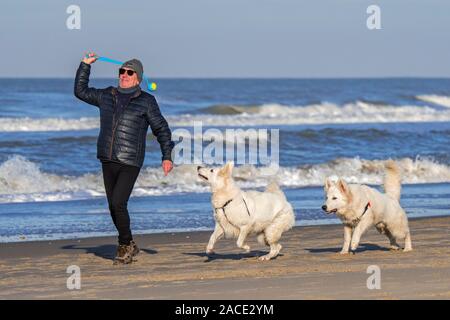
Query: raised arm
[81, 89]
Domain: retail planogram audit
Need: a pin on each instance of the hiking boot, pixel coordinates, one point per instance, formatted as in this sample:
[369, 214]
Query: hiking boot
[124, 254]
[135, 248]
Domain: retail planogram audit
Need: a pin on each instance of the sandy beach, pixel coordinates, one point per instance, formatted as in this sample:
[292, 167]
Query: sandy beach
[174, 266]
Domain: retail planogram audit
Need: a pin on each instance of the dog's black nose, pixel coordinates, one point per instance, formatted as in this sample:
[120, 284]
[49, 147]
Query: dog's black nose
[324, 208]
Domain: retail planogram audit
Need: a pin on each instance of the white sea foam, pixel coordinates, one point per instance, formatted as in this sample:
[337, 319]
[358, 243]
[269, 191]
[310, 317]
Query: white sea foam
[23, 181]
[266, 114]
[436, 99]
[89, 234]
[47, 124]
[323, 113]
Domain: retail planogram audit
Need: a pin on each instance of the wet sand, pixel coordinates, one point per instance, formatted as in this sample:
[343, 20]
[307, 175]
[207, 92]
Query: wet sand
[174, 266]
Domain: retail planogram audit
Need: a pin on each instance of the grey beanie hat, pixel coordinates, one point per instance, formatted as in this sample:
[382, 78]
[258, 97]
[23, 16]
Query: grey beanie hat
[135, 65]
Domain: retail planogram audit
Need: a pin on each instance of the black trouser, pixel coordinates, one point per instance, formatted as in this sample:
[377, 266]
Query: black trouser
[119, 180]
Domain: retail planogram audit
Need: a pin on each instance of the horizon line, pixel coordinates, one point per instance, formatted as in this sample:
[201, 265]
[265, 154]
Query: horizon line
[240, 78]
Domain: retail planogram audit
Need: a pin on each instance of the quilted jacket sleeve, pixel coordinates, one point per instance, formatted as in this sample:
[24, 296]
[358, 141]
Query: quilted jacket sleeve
[81, 89]
[160, 129]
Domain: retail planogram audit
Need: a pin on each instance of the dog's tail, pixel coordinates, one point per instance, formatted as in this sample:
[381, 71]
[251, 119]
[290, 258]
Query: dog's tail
[286, 216]
[392, 180]
[274, 188]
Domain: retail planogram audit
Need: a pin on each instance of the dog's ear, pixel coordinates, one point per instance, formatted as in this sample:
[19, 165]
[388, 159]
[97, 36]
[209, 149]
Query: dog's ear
[327, 184]
[342, 185]
[227, 169]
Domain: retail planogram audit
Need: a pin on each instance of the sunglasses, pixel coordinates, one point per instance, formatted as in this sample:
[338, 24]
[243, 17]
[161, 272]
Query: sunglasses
[128, 71]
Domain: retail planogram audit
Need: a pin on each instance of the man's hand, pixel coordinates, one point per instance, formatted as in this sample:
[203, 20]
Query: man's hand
[167, 166]
[90, 57]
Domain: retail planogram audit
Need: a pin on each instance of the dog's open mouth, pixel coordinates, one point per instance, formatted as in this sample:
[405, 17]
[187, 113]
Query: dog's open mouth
[202, 176]
[332, 211]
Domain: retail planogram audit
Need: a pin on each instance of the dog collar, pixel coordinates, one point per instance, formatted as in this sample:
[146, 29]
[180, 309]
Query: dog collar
[356, 221]
[228, 202]
[225, 204]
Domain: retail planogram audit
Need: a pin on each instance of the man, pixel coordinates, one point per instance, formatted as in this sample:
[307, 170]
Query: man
[125, 114]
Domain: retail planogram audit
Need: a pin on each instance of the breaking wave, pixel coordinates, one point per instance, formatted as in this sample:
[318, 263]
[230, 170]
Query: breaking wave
[23, 181]
[47, 124]
[439, 100]
[266, 114]
[323, 113]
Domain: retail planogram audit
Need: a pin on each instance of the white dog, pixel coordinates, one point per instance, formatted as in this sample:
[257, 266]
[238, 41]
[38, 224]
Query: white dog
[359, 207]
[237, 213]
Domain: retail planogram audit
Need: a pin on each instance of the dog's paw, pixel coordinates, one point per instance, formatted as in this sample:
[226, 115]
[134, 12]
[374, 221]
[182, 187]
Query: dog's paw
[246, 248]
[343, 252]
[209, 251]
[264, 258]
[394, 248]
[407, 250]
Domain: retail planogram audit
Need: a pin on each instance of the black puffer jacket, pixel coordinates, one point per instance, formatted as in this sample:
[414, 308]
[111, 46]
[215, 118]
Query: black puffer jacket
[122, 137]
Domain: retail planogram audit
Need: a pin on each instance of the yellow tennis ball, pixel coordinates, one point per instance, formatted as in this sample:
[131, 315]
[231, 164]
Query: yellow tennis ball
[153, 86]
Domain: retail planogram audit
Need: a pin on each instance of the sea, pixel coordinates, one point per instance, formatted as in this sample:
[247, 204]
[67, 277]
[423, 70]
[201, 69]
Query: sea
[51, 184]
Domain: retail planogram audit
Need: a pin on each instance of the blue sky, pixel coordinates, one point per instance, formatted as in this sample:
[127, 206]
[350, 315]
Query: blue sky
[232, 38]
